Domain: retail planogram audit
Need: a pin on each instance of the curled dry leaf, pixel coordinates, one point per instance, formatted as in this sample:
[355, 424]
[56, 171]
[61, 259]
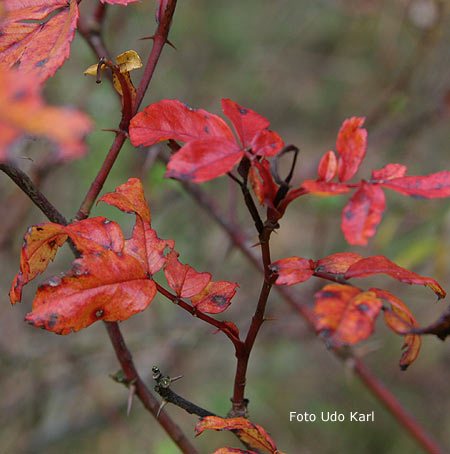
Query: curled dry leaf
[345, 315]
[253, 435]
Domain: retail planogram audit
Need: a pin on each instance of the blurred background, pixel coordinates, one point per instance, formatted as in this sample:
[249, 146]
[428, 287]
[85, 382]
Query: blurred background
[306, 66]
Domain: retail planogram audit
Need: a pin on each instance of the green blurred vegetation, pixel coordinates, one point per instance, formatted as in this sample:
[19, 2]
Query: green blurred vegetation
[306, 66]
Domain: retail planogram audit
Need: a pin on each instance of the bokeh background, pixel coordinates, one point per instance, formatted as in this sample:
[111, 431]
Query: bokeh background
[306, 66]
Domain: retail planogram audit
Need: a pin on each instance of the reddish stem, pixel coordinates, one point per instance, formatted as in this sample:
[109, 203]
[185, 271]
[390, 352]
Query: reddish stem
[386, 397]
[147, 399]
[202, 316]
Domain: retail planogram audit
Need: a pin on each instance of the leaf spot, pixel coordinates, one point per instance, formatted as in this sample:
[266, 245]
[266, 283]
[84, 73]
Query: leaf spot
[41, 62]
[52, 320]
[206, 129]
[219, 300]
[363, 307]
[99, 313]
[243, 111]
[349, 214]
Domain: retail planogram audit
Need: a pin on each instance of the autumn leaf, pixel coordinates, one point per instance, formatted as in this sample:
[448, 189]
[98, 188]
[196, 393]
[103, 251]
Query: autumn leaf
[40, 245]
[215, 297]
[400, 319]
[363, 213]
[183, 279]
[328, 165]
[337, 263]
[432, 186]
[119, 2]
[251, 434]
[351, 146]
[227, 450]
[23, 112]
[36, 35]
[388, 172]
[345, 315]
[379, 264]
[324, 188]
[292, 270]
[105, 283]
[211, 148]
[144, 245]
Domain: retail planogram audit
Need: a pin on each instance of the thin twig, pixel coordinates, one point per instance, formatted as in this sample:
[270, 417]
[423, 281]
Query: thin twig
[238, 238]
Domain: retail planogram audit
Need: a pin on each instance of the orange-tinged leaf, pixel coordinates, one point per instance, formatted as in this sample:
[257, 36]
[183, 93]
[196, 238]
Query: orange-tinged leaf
[363, 213]
[251, 434]
[324, 188]
[266, 143]
[39, 248]
[204, 159]
[104, 284]
[257, 185]
[171, 119]
[144, 245]
[351, 146]
[23, 112]
[379, 264]
[292, 270]
[337, 263]
[388, 172]
[432, 186]
[328, 166]
[215, 297]
[36, 35]
[344, 314]
[183, 278]
[401, 320]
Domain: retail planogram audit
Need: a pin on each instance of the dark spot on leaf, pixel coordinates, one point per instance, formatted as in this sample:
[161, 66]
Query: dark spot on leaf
[206, 129]
[120, 254]
[242, 111]
[219, 300]
[39, 229]
[52, 320]
[327, 294]
[106, 246]
[97, 254]
[363, 307]
[19, 94]
[52, 243]
[99, 313]
[41, 63]
[349, 214]
[134, 248]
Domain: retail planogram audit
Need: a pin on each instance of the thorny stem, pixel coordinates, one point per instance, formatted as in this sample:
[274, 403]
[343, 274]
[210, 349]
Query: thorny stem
[122, 352]
[238, 238]
[160, 38]
[201, 315]
[145, 396]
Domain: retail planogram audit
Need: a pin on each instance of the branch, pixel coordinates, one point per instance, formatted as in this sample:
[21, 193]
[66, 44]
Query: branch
[391, 403]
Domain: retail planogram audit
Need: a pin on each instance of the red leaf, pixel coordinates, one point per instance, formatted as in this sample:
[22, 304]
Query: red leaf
[22, 111]
[328, 166]
[171, 119]
[215, 297]
[104, 284]
[379, 264]
[292, 270]
[39, 247]
[268, 186]
[267, 143]
[432, 186]
[324, 188]
[183, 278]
[119, 2]
[257, 184]
[246, 122]
[389, 172]
[401, 321]
[363, 213]
[144, 245]
[344, 314]
[36, 35]
[351, 146]
[251, 434]
[203, 160]
[336, 263]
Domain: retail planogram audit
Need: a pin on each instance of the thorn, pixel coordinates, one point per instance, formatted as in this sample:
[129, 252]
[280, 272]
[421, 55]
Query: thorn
[148, 37]
[256, 244]
[130, 398]
[117, 131]
[163, 404]
[176, 378]
[170, 44]
[269, 319]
